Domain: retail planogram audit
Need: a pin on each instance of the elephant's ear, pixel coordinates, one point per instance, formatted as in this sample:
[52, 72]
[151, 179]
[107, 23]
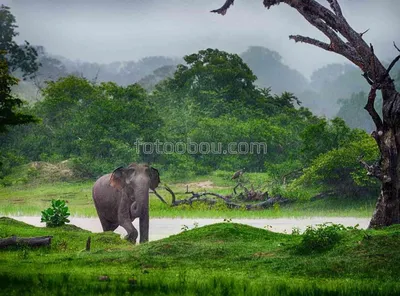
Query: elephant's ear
[154, 178]
[119, 177]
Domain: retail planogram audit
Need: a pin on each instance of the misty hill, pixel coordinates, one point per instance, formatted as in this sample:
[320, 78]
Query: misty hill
[270, 70]
[330, 84]
[121, 72]
[327, 93]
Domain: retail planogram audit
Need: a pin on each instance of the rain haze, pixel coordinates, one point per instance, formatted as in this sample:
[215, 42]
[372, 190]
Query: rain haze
[106, 31]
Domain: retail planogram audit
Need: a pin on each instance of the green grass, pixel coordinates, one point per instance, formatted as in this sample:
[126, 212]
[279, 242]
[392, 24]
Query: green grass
[219, 259]
[32, 199]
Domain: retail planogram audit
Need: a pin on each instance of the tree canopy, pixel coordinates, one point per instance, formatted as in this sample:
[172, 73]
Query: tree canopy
[19, 57]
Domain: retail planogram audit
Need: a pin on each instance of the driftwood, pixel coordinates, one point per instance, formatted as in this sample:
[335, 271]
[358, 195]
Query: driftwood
[27, 241]
[250, 194]
[202, 197]
[159, 196]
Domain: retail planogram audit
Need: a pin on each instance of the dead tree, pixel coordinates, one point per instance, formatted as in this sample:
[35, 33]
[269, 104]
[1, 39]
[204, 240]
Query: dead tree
[347, 42]
[202, 197]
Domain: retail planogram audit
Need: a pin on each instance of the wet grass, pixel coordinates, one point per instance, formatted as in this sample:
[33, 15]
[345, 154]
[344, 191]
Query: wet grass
[32, 199]
[219, 259]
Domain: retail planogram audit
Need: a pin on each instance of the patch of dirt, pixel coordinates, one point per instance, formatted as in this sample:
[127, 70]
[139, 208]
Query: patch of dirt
[19, 200]
[264, 254]
[48, 171]
[202, 185]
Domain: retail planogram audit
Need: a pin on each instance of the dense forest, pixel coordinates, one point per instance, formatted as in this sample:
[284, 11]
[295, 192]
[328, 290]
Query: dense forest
[91, 116]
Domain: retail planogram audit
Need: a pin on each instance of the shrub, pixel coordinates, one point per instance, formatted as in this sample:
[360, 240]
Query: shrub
[340, 170]
[321, 238]
[56, 215]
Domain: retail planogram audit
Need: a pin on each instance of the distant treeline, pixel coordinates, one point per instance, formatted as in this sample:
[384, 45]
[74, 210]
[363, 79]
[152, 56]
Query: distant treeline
[211, 98]
[333, 90]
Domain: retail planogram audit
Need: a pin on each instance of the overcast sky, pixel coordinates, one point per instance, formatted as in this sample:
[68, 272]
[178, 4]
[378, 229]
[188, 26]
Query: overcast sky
[116, 30]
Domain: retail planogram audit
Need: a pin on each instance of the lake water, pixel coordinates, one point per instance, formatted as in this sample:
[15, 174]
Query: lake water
[164, 227]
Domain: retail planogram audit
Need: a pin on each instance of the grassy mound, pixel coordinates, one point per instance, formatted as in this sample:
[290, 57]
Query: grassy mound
[219, 259]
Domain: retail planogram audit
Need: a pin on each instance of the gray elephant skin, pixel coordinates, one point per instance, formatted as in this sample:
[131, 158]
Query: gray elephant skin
[123, 196]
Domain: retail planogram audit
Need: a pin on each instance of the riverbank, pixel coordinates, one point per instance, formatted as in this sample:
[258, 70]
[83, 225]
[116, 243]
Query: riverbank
[29, 200]
[164, 227]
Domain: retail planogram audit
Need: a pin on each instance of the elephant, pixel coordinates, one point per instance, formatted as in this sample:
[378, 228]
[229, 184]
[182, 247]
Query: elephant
[123, 196]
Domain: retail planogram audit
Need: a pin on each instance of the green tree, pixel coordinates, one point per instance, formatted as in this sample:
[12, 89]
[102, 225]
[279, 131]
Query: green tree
[9, 105]
[340, 170]
[324, 136]
[215, 80]
[19, 57]
[97, 125]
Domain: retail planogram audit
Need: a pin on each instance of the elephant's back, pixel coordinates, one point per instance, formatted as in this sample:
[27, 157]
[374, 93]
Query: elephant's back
[102, 184]
[104, 195]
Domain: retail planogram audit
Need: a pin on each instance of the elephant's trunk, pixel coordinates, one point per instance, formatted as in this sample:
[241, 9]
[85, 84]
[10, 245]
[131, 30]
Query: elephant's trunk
[142, 209]
[144, 220]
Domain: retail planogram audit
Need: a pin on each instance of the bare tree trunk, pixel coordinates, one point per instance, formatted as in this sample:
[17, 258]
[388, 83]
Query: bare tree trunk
[344, 40]
[387, 211]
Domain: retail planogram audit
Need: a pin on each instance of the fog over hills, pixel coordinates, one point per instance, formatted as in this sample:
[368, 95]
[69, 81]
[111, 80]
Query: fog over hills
[142, 41]
[124, 30]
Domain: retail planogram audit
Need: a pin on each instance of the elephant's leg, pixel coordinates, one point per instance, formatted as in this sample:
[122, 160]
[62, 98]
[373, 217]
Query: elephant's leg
[130, 229]
[139, 212]
[107, 225]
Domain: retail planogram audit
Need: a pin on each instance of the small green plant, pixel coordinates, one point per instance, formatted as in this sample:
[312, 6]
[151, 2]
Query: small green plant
[322, 237]
[227, 220]
[56, 215]
[184, 228]
[296, 231]
[276, 207]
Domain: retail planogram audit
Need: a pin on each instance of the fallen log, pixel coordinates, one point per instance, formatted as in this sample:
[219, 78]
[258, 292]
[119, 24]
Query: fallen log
[25, 241]
[202, 197]
[159, 196]
[268, 203]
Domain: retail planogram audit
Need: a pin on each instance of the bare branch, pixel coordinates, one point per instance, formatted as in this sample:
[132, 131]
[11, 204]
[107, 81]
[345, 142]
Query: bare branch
[171, 192]
[159, 196]
[365, 75]
[269, 3]
[336, 7]
[224, 8]
[395, 46]
[362, 34]
[372, 170]
[391, 65]
[373, 63]
[337, 44]
[312, 41]
[370, 107]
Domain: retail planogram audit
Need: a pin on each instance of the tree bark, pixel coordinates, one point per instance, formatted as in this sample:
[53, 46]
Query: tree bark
[28, 241]
[344, 40]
